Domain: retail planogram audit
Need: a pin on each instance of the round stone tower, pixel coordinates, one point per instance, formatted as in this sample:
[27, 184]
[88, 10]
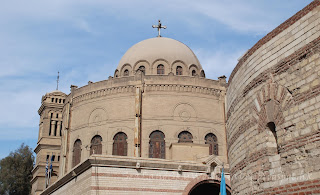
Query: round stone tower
[273, 103]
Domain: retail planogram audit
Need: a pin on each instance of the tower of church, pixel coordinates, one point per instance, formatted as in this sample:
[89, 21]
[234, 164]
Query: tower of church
[49, 139]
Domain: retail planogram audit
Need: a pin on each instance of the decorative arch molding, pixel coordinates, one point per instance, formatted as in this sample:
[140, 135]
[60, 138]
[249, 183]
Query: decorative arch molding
[176, 63]
[267, 109]
[78, 138]
[128, 131]
[192, 131]
[270, 102]
[184, 112]
[212, 130]
[159, 61]
[151, 129]
[146, 64]
[204, 179]
[98, 116]
[95, 133]
[124, 67]
[195, 68]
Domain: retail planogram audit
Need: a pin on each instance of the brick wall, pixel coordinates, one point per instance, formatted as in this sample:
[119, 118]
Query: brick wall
[277, 82]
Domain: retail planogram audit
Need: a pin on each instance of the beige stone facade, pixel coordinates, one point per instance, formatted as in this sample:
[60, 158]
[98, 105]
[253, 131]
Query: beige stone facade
[162, 92]
[158, 126]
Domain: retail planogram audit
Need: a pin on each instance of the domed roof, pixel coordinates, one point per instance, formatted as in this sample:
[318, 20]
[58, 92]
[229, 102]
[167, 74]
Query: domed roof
[159, 49]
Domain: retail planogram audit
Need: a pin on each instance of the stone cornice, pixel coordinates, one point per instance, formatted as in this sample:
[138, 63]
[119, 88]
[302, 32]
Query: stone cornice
[202, 88]
[50, 105]
[184, 88]
[103, 92]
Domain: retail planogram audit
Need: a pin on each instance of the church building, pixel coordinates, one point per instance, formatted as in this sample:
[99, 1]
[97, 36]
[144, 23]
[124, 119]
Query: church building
[159, 126]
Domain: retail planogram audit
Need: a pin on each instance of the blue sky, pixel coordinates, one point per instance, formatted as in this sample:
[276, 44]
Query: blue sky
[85, 40]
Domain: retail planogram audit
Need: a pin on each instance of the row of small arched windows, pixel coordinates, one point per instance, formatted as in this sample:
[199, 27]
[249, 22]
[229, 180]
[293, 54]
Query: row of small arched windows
[56, 100]
[156, 145]
[161, 71]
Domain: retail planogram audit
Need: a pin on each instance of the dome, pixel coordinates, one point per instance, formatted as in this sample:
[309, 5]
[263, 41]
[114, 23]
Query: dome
[151, 53]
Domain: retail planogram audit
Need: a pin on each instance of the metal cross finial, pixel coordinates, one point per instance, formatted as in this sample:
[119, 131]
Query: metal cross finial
[159, 26]
[58, 81]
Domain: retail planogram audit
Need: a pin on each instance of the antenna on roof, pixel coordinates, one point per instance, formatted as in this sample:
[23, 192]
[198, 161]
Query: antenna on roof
[58, 81]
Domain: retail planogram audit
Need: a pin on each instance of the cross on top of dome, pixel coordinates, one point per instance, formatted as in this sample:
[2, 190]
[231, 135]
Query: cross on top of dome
[159, 26]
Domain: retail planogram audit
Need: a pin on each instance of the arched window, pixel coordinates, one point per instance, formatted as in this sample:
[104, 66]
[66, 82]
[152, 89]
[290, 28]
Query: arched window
[76, 156]
[126, 72]
[194, 73]
[213, 141]
[120, 145]
[202, 74]
[160, 69]
[157, 145]
[185, 137]
[96, 145]
[142, 69]
[272, 128]
[116, 73]
[179, 70]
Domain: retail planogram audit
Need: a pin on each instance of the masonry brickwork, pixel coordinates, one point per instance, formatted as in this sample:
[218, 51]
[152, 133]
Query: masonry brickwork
[273, 103]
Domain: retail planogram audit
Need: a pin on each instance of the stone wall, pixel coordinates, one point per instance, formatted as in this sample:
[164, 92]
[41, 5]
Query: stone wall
[170, 103]
[273, 103]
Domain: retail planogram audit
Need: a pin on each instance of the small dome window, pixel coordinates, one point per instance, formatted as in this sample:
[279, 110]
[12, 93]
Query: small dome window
[194, 73]
[116, 74]
[142, 69]
[126, 72]
[179, 70]
[202, 74]
[160, 69]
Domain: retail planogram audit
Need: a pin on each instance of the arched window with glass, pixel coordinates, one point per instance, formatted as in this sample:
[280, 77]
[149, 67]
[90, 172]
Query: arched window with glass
[211, 139]
[185, 137]
[120, 145]
[160, 69]
[157, 145]
[76, 153]
[96, 145]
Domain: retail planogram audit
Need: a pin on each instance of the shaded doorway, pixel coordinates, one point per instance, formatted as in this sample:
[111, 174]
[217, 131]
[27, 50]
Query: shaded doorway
[207, 188]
